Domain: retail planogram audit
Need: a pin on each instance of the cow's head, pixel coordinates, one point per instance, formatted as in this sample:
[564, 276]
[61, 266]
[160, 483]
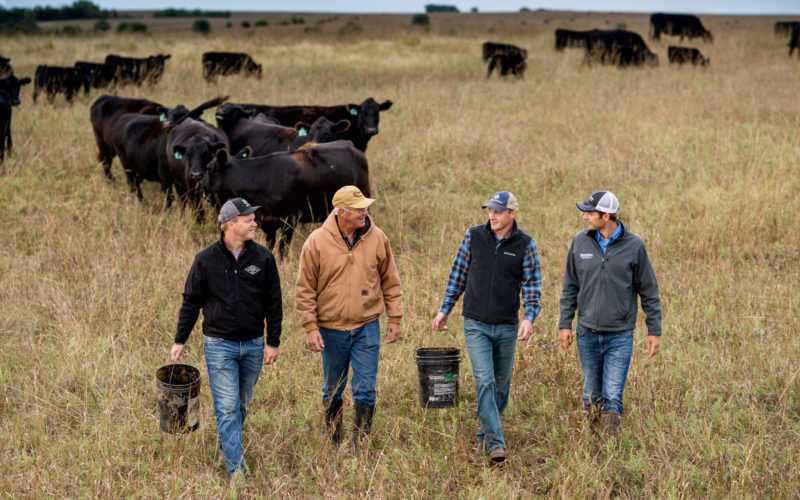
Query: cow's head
[210, 181]
[173, 117]
[11, 86]
[323, 130]
[228, 115]
[254, 68]
[367, 115]
[708, 37]
[197, 152]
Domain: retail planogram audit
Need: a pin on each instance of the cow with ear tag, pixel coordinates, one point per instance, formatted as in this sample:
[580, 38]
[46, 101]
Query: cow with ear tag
[190, 146]
[9, 96]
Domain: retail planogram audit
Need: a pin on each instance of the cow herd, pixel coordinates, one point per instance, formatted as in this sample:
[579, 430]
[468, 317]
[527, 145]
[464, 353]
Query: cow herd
[287, 159]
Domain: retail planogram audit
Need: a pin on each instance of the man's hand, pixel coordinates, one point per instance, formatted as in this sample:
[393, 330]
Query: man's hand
[653, 343]
[525, 330]
[392, 332]
[314, 340]
[175, 352]
[440, 322]
[270, 354]
[566, 339]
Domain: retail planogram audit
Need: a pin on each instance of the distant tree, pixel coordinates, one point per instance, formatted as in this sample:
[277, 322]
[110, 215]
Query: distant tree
[133, 27]
[201, 26]
[431, 7]
[298, 20]
[71, 30]
[228, 24]
[524, 9]
[421, 20]
[474, 9]
[262, 23]
[245, 24]
[101, 25]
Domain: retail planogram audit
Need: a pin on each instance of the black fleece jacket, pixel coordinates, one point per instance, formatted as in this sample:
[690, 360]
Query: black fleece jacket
[235, 296]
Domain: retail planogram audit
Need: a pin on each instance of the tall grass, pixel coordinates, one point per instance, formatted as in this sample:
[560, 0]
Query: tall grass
[704, 162]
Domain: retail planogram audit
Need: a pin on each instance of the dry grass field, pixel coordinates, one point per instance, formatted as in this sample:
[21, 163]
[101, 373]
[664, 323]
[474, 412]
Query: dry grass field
[705, 165]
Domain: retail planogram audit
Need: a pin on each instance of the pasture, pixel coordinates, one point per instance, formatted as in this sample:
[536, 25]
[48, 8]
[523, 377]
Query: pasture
[704, 162]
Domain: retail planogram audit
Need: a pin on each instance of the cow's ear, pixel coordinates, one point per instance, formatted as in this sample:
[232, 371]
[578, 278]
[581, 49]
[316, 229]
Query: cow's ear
[217, 146]
[162, 113]
[353, 109]
[179, 151]
[385, 105]
[341, 126]
[25, 81]
[246, 152]
[222, 157]
[302, 128]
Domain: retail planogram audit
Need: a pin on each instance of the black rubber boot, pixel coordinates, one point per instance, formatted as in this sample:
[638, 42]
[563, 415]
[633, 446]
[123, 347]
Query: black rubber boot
[362, 423]
[333, 422]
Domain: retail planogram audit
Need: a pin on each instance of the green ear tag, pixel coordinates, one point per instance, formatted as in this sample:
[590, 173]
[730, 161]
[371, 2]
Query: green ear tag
[244, 155]
[302, 132]
[178, 156]
[162, 117]
[353, 111]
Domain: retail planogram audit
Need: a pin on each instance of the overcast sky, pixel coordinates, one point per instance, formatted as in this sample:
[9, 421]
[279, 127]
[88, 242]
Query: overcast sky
[413, 6]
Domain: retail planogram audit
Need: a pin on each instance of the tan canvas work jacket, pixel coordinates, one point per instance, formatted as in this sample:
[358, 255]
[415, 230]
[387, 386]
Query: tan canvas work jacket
[343, 289]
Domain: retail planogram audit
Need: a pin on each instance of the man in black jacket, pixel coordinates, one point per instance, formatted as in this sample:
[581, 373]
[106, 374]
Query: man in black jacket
[607, 269]
[494, 263]
[235, 282]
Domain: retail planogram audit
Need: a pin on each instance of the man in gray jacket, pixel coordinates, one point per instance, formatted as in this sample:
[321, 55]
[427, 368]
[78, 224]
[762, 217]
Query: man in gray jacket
[607, 267]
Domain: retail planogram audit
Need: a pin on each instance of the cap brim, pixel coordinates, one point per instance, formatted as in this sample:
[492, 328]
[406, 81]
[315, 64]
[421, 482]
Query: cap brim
[249, 210]
[585, 207]
[364, 203]
[495, 206]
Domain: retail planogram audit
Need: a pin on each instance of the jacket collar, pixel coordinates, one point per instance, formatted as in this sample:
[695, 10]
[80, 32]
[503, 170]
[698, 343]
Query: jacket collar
[332, 227]
[591, 232]
[245, 248]
[511, 234]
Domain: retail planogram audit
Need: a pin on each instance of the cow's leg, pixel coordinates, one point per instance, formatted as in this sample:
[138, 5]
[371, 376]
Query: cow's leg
[36, 90]
[492, 63]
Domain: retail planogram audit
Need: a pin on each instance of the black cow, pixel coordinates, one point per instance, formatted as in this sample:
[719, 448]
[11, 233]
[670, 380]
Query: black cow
[682, 25]
[229, 63]
[142, 70]
[323, 130]
[107, 109]
[619, 47]
[785, 27]
[490, 48]
[190, 146]
[101, 75]
[295, 186]
[5, 67]
[364, 117]
[569, 38]
[794, 42]
[54, 80]
[682, 55]
[508, 61]
[9, 96]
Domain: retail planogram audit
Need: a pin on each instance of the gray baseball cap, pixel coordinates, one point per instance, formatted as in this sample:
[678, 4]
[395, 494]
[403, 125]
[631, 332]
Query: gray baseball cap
[234, 208]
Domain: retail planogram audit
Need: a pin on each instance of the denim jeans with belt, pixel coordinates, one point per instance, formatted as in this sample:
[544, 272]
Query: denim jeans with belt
[605, 358]
[233, 369]
[361, 349]
[491, 352]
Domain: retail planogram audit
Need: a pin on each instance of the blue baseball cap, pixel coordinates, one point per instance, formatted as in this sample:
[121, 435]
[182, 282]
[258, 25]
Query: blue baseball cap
[501, 201]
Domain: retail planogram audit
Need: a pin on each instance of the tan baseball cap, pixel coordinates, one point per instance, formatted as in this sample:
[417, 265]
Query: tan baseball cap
[351, 196]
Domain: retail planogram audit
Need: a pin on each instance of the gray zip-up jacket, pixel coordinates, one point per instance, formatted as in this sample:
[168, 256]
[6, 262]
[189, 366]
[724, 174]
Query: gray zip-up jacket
[604, 287]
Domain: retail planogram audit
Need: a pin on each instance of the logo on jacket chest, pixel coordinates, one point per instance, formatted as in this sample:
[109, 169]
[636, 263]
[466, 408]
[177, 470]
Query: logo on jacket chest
[586, 256]
[253, 270]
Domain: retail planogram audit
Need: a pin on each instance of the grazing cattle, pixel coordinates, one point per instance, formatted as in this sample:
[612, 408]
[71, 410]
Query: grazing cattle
[618, 47]
[294, 186]
[364, 117]
[490, 48]
[229, 63]
[682, 55]
[5, 67]
[145, 70]
[569, 38]
[785, 27]
[508, 61]
[54, 80]
[264, 136]
[794, 42]
[682, 25]
[9, 96]
[100, 75]
[190, 146]
[107, 109]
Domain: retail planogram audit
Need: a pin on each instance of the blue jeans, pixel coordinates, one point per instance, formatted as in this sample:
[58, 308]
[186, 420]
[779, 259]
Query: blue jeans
[605, 358]
[491, 351]
[360, 348]
[233, 369]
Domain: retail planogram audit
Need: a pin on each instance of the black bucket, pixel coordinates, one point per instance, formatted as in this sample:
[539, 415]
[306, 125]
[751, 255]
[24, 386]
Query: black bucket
[178, 398]
[438, 376]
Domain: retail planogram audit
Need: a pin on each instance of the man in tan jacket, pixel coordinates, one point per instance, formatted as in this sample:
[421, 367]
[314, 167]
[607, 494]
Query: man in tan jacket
[347, 276]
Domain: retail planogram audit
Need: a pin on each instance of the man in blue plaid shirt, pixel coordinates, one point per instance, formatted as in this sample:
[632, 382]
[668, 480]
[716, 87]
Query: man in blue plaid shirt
[494, 262]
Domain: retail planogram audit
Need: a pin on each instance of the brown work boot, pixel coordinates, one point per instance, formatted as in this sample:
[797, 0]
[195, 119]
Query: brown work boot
[611, 423]
[479, 449]
[593, 412]
[497, 455]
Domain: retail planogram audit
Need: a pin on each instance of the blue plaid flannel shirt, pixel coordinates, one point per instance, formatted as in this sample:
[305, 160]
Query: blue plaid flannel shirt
[531, 278]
